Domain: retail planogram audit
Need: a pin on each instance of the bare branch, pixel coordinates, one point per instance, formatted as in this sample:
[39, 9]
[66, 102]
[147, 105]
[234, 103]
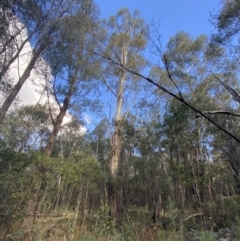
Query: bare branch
[108, 87]
[166, 64]
[225, 112]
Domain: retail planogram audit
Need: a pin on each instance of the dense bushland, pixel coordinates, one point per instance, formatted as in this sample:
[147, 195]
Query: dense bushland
[119, 145]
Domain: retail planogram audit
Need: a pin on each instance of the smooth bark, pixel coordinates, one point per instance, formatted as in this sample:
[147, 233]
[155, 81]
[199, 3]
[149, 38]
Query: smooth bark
[116, 138]
[8, 101]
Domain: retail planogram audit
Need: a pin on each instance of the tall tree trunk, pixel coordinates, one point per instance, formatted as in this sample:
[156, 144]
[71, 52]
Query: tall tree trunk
[116, 138]
[116, 150]
[115, 201]
[12, 95]
[115, 190]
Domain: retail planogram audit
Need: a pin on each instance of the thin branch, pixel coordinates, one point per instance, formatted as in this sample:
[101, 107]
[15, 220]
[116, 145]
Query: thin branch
[108, 87]
[225, 112]
[165, 61]
[166, 64]
[234, 94]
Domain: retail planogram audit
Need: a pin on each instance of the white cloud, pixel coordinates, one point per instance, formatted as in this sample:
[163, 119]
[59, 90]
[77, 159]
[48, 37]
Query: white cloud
[33, 90]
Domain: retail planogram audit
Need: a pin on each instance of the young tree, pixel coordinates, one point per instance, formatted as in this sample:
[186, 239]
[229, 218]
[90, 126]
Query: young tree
[25, 129]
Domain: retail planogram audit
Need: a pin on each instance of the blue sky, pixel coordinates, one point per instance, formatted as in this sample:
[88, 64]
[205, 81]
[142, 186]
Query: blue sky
[191, 16]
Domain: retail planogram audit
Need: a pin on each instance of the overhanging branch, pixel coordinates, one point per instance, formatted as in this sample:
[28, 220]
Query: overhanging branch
[225, 112]
[180, 98]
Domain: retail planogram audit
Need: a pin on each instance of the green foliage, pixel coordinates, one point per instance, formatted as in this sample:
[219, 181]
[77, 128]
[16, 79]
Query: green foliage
[26, 179]
[226, 21]
[100, 144]
[173, 220]
[79, 169]
[25, 129]
[128, 29]
[104, 223]
[16, 186]
[129, 228]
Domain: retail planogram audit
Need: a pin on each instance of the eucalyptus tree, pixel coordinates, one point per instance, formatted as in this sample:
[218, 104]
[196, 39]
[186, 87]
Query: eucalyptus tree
[38, 24]
[74, 67]
[124, 40]
[227, 22]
